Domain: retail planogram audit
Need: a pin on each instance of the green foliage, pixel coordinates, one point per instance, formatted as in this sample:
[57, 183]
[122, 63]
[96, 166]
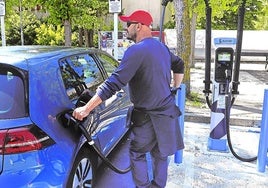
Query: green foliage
[262, 22]
[83, 14]
[195, 99]
[58, 10]
[92, 14]
[198, 7]
[13, 28]
[170, 18]
[218, 7]
[225, 14]
[170, 24]
[50, 35]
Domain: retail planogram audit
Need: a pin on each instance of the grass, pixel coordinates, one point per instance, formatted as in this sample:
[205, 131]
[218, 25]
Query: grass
[196, 100]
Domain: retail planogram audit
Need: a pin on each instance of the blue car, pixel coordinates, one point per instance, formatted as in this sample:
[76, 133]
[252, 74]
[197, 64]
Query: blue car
[38, 84]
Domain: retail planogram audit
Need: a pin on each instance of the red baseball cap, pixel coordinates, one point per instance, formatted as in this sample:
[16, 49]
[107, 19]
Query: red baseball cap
[140, 16]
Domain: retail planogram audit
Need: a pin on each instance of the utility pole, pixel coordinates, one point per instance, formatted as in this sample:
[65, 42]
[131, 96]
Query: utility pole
[115, 8]
[21, 25]
[2, 17]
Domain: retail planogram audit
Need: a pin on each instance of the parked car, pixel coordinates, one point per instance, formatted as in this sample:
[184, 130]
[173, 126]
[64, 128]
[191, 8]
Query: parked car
[37, 84]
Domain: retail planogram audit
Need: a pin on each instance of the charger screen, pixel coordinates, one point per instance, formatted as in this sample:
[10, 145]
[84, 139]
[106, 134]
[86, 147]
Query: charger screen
[224, 57]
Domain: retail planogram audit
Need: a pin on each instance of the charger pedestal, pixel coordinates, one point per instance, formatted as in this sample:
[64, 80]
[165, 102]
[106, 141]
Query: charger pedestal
[224, 54]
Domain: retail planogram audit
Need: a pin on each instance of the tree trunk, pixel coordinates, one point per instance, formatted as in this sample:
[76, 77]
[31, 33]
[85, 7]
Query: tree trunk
[90, 37]
[67, 33]
[183, 29]
[80, 39]
[86, 37]
[193, 30]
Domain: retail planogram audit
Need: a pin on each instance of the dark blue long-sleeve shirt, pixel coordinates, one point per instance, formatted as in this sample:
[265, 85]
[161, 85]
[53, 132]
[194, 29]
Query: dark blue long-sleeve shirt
[146, 66]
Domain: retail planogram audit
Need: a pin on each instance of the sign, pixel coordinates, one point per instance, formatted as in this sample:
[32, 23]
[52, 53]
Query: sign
[225, 40]
[106, 42]
[115, 6]
[2, 8]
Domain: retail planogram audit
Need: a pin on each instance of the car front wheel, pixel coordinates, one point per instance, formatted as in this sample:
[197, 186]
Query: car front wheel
[83, 171]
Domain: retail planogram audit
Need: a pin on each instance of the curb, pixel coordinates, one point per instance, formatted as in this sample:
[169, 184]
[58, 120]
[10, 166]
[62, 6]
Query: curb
[204, 118]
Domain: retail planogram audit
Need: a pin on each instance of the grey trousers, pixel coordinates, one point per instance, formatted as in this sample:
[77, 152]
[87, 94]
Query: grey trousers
[143, 140]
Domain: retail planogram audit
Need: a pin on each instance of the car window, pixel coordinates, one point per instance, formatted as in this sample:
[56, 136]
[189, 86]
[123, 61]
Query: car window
[108, 63]
[78, 73]
[12, 94]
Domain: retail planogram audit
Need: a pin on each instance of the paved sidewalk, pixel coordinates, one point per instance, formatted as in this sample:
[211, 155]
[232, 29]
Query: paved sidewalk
[201, 168]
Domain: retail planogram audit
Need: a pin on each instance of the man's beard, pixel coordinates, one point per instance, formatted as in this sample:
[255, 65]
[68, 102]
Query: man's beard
[133, 37]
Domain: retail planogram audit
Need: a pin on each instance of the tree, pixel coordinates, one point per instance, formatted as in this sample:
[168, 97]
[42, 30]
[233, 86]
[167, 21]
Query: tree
[90, 19]
[49, 35]
[183, 29]
[262, 22]
[60, 12]
[185, 16]
[13, 28]
[17, 19]
[224, 15]
[83, 15]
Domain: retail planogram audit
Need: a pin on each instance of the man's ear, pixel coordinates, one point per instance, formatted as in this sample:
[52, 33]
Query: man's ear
[138, 26]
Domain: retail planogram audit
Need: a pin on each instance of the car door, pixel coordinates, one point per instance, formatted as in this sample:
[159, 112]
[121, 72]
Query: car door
[82, 72]
[114, 111]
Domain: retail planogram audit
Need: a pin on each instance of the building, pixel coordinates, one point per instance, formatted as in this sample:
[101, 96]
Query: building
[152, 6]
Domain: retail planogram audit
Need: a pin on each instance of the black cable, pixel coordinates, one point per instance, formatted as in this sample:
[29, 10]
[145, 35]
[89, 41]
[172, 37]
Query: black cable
[207, 80]
[84, 131]
[104, 159]
[208, 102]
[228, 104]
[165, 2]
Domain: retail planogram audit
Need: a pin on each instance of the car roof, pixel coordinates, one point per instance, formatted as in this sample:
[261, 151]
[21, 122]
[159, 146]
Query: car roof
[18, 55]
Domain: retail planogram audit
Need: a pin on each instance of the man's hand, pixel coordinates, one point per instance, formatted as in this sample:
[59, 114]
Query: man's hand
[80, 113]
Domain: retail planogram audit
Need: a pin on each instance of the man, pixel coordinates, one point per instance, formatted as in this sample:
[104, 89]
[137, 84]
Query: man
[146, 66]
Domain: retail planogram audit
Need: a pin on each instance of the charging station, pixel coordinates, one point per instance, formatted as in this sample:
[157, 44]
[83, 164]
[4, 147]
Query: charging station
[225, 82]
[224, 56]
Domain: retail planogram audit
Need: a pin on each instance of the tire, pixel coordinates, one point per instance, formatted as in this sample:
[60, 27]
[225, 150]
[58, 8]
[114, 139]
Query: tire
[83, 172]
